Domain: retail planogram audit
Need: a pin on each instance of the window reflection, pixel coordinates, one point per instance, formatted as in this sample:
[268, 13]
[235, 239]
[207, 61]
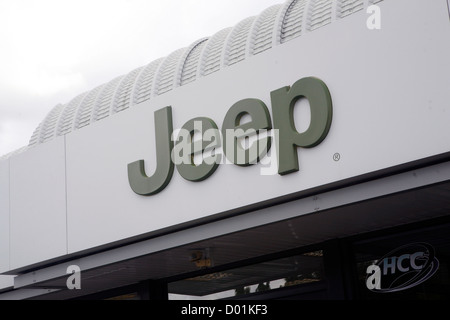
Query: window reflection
[270, 275]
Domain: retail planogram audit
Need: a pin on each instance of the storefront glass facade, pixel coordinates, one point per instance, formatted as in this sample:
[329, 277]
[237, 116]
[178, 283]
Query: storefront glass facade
[413, 264]
[258, 278]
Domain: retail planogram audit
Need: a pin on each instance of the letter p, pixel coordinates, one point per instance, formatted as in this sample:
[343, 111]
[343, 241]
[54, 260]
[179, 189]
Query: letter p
[283, 103]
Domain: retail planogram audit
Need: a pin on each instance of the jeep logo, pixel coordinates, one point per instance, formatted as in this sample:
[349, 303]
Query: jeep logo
[287, 141]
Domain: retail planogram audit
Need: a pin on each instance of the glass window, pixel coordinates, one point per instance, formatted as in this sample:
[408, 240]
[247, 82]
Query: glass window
[411, 265]
[275, 274]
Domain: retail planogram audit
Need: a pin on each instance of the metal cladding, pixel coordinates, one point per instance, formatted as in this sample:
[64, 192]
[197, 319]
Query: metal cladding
[276, 25]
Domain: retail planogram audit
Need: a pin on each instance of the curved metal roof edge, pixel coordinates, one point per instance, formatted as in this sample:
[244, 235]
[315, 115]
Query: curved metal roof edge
[273, 26]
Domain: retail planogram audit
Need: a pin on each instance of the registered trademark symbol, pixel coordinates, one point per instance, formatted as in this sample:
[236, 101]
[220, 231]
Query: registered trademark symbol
[336, 157]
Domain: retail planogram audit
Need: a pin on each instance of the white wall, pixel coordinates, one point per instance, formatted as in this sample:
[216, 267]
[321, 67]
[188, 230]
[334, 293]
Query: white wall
[4, 215]
[390, 97]
[38, 204]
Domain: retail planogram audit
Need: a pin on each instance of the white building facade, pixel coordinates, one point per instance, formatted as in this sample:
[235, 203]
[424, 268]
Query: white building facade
[299, 154]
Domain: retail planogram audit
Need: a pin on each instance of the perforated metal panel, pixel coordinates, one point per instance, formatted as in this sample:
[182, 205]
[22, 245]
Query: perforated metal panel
[293, 20]
[121, 99]
[237, 42]
[65, 122]
[143, 87]
[274, 26]
[319, 14]
[84, 113]
[262, 31]
[212, 54]
[347, 7]
[191, 61]
[103, 102]
[35, 136]
[48, 128]
[164, 80]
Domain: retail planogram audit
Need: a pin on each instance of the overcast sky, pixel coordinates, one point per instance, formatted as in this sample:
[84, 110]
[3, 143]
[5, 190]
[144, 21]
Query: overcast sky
[53, 50]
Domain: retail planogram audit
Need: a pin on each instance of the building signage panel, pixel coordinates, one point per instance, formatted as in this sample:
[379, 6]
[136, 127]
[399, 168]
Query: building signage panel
[121, 184]
[286, 142]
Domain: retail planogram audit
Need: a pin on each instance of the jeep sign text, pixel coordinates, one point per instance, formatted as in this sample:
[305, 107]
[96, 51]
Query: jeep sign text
[288, 138]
